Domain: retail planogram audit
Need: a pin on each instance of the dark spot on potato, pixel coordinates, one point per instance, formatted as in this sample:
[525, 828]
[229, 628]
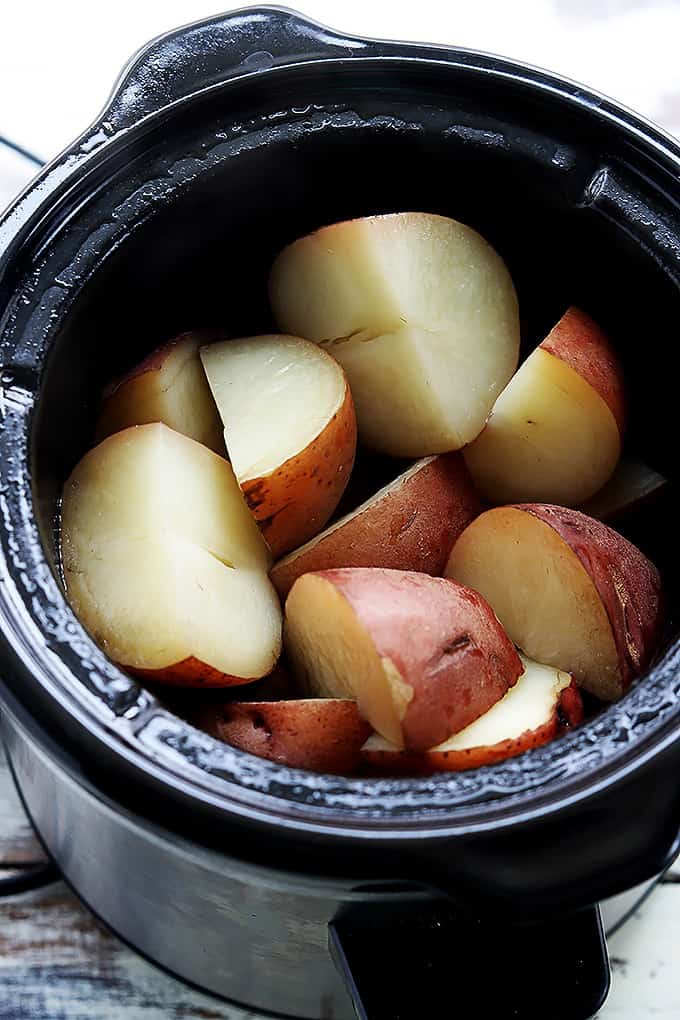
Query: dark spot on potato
[457, 645]
[266, 522]
[405, 524]
[255, 496]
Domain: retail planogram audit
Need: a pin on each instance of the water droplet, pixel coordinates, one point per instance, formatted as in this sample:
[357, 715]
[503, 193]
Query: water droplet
[260, 59]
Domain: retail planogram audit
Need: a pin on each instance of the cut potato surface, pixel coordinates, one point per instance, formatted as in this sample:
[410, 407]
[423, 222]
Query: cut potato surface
[258, 383]
[569, 591]
[323, 735]
[528, 715]
[554, 434]
[530, 704]
[289, 427]
[421, 656]
[578, 340]
[550, 437]
[163, 562]
[169, 386]
[410, 524]
[422, 314]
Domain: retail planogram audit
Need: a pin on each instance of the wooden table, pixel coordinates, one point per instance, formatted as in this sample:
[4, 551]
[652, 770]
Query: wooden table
[58, 963]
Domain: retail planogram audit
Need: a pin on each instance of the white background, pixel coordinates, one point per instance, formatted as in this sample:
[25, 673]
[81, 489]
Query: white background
[60, 58]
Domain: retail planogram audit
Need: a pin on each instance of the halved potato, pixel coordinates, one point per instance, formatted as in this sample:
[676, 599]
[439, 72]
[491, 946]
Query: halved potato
[169, 386]
[422, 656]
[320, 734]
[421, 313]
[555, 432]
[164, 564]
[290, 430]
[541, 705]
[410, 524]
[569, 591]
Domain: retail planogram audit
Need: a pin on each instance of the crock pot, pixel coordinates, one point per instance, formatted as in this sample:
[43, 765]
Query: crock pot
[299, 894]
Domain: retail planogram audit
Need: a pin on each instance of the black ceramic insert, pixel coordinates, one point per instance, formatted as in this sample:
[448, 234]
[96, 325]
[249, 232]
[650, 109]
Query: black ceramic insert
[221, 145]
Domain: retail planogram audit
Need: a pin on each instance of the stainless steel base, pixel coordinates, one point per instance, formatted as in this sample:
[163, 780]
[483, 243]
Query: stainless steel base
[254, 936]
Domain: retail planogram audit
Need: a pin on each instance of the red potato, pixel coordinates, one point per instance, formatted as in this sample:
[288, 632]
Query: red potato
[422, 656]
[540, 707]
[569, 591]
[555, 432]
[422, 314]
[169, 386]
[164, 564]
[410, 524]
[579, 342]
[320, 734]
[290, 430]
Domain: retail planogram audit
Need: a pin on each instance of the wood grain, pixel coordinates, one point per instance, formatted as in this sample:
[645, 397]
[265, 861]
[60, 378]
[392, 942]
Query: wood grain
[58, 963]
[644, 955]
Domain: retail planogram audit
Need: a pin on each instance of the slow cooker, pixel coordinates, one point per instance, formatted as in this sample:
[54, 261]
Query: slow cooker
[297, 894]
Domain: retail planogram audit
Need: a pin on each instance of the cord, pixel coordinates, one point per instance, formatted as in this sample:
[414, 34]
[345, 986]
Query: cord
[34, 877]
[21, 151]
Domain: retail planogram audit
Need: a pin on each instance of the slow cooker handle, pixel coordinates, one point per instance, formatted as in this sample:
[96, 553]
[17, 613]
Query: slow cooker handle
[425, 959]
[207, 53]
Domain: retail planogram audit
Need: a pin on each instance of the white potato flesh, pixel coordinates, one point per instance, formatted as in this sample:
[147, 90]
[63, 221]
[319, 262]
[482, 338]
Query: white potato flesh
[275, 395]
[328, 646]
[541, 593]
[551, 438]
[528, 705]
[170, 387]
[162, 558]
[421, 313]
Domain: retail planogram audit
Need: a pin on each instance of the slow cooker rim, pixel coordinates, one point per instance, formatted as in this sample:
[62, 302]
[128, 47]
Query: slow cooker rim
[506, 804]
[99, 138]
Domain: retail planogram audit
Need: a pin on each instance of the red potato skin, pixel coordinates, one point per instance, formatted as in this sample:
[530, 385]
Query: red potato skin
[322, 735]
[627, 583]
[294, 503]
[580, 343]
[154, 362]
[411, 527]
[444, 640]
[190, 672]
[568, 713]
[151, 363]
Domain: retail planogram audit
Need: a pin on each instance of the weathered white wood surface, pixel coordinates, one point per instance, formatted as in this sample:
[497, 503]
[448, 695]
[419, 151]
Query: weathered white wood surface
[58, 963]
[644, 957]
